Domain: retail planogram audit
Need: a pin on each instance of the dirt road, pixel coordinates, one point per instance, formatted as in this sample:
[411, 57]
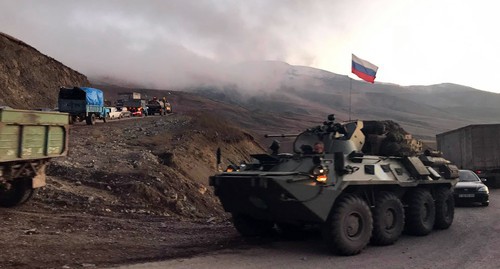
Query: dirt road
[129, 191]
[135, 191]
[473, 241]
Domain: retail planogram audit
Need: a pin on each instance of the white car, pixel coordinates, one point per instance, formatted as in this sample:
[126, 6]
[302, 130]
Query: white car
[114, 113]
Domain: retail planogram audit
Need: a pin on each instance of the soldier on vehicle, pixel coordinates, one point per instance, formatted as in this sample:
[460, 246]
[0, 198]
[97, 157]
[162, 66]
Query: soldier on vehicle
[319, 147]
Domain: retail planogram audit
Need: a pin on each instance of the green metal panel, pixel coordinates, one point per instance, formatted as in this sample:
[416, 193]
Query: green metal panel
[33, 142]
[33, 117]
[28, 134]
[56, 139]
[9, 142]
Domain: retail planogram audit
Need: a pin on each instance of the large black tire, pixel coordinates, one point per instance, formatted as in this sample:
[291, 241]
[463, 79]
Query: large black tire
[19, 193]
[388, 219]
[420, 213]
[250, 227]
[349, 226]
[90, 119]
[445, 208]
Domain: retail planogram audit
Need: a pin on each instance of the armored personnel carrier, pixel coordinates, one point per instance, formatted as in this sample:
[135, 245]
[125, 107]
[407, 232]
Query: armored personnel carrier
[356, 195]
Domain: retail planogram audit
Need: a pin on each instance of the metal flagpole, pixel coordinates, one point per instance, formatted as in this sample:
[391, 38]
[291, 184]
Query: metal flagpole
[350, 89]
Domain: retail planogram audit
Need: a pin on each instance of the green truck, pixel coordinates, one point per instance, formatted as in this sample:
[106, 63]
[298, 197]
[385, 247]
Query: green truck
[28, 140]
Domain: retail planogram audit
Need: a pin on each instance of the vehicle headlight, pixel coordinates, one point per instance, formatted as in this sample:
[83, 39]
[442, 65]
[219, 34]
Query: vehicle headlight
[484, 189]
[320, 174]
[232, 168]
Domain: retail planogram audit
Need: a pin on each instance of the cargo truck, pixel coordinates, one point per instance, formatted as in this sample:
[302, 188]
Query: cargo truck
[28, 140]
[474, 147]
[162, 107]
[83, 103]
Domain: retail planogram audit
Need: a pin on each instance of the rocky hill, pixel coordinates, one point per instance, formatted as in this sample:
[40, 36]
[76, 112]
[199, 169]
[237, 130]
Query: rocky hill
[30, 79]
[287, 91]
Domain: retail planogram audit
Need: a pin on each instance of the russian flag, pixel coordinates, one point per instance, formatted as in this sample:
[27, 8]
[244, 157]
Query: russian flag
[364, 69]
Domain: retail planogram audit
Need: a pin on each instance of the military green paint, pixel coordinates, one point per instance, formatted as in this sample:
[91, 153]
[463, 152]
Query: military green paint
[282, 188]
[28, 117]
[32, 134]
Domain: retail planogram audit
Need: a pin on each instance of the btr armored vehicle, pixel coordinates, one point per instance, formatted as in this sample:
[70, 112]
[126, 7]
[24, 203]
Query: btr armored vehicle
[358, 186]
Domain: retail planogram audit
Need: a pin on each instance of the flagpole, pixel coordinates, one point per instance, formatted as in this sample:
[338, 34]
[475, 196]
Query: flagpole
[350, 89]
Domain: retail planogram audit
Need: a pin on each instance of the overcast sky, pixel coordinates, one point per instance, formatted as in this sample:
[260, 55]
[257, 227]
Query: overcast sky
[173, 42]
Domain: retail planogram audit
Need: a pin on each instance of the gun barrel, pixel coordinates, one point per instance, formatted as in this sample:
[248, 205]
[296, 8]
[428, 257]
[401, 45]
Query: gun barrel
[280, 135]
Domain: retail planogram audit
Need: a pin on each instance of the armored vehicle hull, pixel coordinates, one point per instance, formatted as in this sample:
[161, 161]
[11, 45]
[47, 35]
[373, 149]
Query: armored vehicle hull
[355, 198]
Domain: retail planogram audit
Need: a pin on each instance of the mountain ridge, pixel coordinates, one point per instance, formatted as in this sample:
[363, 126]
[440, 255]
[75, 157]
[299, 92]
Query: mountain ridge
[285, 96]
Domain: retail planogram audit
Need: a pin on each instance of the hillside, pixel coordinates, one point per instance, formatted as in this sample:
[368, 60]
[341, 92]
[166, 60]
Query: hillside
[30, 79]
[285, 91]
[266, 96]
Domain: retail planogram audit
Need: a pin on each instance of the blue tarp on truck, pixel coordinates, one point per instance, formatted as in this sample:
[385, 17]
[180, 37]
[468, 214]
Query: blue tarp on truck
[94, 96]
[82, 103]
[91, 96]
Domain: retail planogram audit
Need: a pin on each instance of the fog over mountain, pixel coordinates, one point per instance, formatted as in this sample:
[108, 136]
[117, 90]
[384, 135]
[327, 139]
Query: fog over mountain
[286, 97]
[161, 44]
[177, 43]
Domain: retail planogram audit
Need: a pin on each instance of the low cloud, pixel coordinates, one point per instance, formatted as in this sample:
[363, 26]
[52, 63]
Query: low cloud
[161, 44]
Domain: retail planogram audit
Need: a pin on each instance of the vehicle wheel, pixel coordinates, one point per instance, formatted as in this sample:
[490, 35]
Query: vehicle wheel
[388, 219]
[250, 227]
[445, 208]
[485, 203]
[349, 226]
[421, 212]
[20, 192]
[90, 119]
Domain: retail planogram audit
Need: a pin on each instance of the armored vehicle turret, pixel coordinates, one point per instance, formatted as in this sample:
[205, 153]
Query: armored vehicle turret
[338, 179]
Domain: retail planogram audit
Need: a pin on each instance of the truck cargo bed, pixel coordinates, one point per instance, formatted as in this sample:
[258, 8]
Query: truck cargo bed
[26, 135]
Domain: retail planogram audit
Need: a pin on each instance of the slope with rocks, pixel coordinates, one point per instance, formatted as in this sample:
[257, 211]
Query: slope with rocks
[157, 165]
[30, 79]
[130, 190]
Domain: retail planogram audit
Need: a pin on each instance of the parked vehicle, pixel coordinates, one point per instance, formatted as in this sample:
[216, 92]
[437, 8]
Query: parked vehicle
[124, 112]
[83, 103]
[29, 139]
[470, 189]
[328, 181]
[476, 148]
[114, 113]
[161, 107]
[138, 107]
[137, 111]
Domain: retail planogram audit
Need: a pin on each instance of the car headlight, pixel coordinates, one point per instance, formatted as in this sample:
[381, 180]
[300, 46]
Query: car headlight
[484, 189]
[320, 174]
